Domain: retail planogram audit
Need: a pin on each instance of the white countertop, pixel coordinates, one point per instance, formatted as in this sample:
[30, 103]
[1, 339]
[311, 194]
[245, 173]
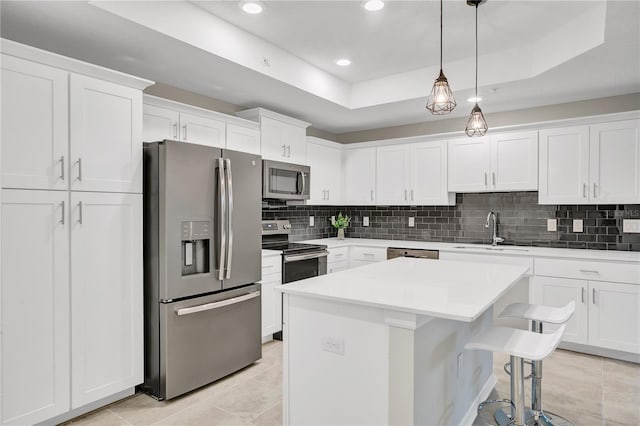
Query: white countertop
[503, 250]
[454, 290]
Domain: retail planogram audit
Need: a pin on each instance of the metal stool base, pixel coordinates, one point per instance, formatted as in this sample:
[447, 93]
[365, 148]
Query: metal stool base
[547, 418]
[503, 419]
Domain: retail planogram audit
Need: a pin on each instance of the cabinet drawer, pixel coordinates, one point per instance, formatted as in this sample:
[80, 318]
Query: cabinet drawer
[337, 266]
[489, 258]
[271, 264]
[369, 254]
[272, 279]
[589, 270]
[338, 254]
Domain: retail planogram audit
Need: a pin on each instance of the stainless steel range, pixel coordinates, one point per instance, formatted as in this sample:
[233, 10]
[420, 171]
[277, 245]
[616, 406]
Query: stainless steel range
[299, 260]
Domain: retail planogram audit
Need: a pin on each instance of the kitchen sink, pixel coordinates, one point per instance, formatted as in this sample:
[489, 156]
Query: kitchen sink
[492, 248]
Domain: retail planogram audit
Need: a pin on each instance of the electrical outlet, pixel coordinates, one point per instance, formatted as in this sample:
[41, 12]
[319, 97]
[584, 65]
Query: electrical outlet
[312, 221]
[412, 222]
[459, 370]
[333, 218]
[333, 345]
[365, 220]
[578, 225]
[631, 226]
[552, 224]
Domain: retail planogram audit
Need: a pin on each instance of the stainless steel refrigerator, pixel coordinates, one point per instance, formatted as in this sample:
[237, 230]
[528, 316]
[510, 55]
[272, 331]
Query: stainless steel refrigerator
[202, 260]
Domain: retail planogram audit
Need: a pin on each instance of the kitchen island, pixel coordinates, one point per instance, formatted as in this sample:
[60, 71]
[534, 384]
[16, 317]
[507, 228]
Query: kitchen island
[384, 343]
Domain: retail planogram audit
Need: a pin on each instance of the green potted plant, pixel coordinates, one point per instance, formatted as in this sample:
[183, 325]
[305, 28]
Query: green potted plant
[340, 222]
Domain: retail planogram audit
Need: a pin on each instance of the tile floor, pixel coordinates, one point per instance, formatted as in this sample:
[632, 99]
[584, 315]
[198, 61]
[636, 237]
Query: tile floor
[588, 390]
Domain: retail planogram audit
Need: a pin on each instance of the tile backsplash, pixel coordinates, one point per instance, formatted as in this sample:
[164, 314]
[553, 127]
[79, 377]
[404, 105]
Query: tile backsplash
[521, 221]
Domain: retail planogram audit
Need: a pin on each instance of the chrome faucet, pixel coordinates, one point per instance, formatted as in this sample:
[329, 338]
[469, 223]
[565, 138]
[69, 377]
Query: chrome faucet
[495, 240]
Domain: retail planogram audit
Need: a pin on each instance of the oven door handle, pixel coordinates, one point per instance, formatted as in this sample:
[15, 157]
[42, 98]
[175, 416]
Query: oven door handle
[297, 257]
[215, 305]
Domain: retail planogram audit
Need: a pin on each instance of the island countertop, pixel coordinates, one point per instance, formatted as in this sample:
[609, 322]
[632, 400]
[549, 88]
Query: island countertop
[453, 290]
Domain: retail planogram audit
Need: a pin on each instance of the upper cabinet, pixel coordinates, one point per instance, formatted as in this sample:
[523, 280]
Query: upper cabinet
[325, 160]
[593, 164]
[393, 174]
[282, 138]
[501, 162]
[164, 119]
[360, 176]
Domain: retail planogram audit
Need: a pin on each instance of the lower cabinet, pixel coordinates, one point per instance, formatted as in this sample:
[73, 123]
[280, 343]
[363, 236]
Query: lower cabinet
[71, 300]
[271, 299]
[361, 256]
[607, 313]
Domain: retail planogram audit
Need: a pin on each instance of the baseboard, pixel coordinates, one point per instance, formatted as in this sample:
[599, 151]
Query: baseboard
[608, 353]
[483, 395]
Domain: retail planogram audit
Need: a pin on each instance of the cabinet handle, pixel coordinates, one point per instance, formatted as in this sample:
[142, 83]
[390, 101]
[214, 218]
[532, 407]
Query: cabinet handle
[368, 254]
[289, 151]
[412, 195]
[62, 212]
[328, 196]
[184, 134]
[593, 298]
[79, 169]
[175, 130]
[284, 150]
[583, 292]
[339, 254]
[584, 190]
[594, 190]
[62, 168]
[589, 271]
[485, 178]
[372, 195]
[80, 212]
[493, 176]
[405, 195]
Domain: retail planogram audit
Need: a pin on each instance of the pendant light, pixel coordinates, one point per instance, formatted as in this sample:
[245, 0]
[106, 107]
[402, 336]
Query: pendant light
[441, 100]
[476, 125]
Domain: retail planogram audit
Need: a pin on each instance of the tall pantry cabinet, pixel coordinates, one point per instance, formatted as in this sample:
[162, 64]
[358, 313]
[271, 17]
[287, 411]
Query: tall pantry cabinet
[71, 224]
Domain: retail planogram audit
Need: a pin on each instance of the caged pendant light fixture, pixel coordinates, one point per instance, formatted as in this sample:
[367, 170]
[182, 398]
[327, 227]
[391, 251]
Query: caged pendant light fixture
[441, 100]
[476, 125]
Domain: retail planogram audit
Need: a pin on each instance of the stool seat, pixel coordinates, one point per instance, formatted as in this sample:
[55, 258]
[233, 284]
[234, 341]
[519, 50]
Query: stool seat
[541, 313]
[515, 342]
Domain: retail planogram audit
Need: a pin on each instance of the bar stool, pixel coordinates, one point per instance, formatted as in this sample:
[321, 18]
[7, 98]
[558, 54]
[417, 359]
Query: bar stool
[539, 314]
[519, 345]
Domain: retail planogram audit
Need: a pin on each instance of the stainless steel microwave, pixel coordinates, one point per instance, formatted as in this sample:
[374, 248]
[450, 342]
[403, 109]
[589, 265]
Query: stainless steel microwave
[285, 181]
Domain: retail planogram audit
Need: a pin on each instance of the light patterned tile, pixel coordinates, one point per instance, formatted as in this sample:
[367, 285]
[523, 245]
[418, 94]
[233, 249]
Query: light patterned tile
[144, 410]
[248, 399]
[104, 417]
[202, 413]
[271, 417]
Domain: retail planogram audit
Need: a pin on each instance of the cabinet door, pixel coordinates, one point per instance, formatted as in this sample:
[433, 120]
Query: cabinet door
[202, 130]
[615, 162]
[243, 139]
[35, 305]
[360, 176]
[393, 175]
[106, 136]
[271, 305]
[295, 139]
[614, 316]
[558, 292]
[514, 162]
[35, 125]
[106, 295]
[429, 174]
[320, 165]
[272, 141]
[564, 166]
[469, 164]
[159, 124]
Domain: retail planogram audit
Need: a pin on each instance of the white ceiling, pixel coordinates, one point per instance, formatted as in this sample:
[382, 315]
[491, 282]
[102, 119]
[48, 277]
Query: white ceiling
[534, 53]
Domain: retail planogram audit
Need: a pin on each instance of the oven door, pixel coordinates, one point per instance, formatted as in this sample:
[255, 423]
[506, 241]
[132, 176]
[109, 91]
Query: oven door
[301, 266]
[285, 181]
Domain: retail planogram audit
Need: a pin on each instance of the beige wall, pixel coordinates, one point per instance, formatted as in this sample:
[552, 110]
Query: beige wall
[509, 118]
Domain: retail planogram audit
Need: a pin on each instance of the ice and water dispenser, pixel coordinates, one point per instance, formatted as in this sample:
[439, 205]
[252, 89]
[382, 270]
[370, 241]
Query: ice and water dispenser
[196, 237]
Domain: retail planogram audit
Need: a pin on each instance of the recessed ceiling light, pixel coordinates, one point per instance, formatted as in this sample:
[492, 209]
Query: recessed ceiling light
[373, 5]
[474, 99]
[252, 7]
[343, 62]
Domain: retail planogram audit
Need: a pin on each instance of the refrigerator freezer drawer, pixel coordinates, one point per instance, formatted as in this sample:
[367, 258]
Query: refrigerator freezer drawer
[208, 338]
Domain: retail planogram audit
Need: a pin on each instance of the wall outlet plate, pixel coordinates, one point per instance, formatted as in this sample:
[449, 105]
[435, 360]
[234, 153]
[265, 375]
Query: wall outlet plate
[365, 220]
[552, 224]
[631, 226]
[578, 225]
[333, 345]
[412, 222]
[312, 221]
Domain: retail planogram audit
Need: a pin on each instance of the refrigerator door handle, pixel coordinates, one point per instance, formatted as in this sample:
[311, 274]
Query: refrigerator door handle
[230, 218]
[222, 218]
[215, 305]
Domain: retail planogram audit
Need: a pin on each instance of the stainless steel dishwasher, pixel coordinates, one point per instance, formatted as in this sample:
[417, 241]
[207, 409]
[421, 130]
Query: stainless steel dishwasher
[393, 252]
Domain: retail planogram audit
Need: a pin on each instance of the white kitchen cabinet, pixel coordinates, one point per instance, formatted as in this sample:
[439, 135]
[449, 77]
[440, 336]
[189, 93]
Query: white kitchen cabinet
[361, 255]
[243, 139]
[614, 316]
[34, 121]
[160, 123]
[393, 175]
[325, 160]
[202, 130]
[105, 136]
[428, 175]
[106, 295]
[271, 300]
[564, 165]
[615, 162]
[360, 176]
[35, 305]
[337, 259]
[502, 162]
